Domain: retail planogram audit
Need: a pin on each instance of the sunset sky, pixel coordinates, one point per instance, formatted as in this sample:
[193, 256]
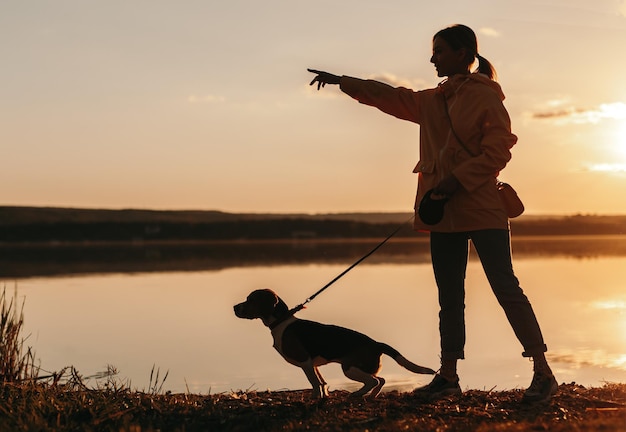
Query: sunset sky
[205, 104]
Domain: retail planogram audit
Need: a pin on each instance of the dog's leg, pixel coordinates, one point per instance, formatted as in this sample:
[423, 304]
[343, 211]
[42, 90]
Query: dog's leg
[320, 388]
[321, 379]
[370, 382]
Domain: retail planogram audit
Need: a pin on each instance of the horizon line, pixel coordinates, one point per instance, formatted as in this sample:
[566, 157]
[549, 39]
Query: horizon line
[291, 212]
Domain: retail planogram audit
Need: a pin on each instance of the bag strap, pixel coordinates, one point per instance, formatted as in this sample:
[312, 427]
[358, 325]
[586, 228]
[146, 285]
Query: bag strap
[445, 103]
[499, 184]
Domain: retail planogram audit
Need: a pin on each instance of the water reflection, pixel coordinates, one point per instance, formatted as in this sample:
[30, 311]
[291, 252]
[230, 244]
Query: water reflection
[183, 321]
[20, 261]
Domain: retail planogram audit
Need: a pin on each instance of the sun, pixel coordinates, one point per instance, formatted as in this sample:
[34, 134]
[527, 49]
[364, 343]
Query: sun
[610, 120]
[614, 116]
[615, 150]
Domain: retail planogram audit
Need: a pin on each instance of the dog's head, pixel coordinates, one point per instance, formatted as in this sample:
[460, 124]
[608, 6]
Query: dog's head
[264, 304]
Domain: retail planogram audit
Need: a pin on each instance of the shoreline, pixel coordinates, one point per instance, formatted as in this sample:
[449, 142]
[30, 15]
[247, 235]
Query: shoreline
[54, 407]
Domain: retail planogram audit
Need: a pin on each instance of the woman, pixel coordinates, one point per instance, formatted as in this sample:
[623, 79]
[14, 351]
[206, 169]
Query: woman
[465, 140]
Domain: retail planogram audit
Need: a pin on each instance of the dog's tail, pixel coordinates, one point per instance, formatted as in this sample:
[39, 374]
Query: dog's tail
[402, 361]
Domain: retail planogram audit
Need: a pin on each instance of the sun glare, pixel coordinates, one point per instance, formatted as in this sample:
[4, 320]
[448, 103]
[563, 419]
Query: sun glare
[619, 362]
[620, 138]
[616, 145]
[617, 113]
[617, 306]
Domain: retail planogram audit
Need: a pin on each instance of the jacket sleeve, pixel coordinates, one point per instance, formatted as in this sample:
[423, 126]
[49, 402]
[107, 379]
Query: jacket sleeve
[399, 102]
[495, 145]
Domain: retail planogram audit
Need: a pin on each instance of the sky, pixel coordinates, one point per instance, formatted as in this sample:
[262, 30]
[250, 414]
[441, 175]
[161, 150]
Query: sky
[206, 104]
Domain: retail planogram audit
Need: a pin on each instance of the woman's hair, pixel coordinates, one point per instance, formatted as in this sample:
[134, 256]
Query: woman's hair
[461, 36]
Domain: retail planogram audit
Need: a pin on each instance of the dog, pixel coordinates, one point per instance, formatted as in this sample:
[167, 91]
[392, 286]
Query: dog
[309, 344]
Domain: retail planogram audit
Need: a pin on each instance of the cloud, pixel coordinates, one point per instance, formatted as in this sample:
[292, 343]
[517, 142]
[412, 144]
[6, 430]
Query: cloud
[557, 114]
[610, 304]
[205, 99]
[395, 81]
[615, 168]
[490, 32]
[611, 111]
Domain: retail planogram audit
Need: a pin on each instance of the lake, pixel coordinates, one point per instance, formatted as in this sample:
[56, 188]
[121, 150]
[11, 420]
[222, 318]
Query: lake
[180, 319]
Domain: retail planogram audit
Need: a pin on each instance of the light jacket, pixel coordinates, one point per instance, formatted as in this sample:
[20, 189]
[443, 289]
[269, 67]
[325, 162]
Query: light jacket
[481, 122]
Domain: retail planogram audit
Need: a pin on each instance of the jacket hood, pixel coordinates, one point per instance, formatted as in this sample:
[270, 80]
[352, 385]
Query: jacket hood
[450, 85]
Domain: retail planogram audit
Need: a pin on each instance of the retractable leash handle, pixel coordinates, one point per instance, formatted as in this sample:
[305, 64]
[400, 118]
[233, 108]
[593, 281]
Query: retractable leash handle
[303, 305]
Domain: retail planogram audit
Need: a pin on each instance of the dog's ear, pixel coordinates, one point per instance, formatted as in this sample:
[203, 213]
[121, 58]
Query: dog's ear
[271, 303]
[280, 308]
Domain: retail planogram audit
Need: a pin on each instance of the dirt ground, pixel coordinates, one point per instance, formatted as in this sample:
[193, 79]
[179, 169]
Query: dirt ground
[574, 408]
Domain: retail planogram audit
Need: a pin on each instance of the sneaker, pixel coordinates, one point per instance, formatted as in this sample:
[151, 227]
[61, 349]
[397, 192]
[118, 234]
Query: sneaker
[439, 387]
[541, 389]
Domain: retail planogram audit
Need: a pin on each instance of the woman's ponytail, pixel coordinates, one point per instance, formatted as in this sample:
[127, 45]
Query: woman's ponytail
[485, 67]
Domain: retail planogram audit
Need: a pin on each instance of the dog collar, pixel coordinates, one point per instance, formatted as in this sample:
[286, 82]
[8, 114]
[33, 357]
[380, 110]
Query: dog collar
[279, 321]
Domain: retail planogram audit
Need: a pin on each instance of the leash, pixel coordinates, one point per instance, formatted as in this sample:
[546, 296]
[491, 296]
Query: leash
[308, 300]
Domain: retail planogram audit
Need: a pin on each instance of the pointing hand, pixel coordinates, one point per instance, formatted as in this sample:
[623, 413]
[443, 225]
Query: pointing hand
[324, 78]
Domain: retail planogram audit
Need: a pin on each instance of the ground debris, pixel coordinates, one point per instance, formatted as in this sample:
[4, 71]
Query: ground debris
[573, 408]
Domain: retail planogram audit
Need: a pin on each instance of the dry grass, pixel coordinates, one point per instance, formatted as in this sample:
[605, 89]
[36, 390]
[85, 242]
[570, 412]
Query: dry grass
[16, 362]
[44, 407]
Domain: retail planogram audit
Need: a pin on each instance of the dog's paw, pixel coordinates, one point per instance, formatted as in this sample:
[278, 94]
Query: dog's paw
[320, 392]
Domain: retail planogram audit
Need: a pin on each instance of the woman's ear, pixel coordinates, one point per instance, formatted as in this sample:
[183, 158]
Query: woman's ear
[462, 55]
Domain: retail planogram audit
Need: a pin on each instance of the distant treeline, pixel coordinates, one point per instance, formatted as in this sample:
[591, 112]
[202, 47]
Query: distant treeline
[271, 227]
[168, 231]
[569, 225]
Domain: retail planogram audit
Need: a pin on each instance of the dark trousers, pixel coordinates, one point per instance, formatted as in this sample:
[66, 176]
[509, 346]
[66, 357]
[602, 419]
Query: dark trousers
[449, 252]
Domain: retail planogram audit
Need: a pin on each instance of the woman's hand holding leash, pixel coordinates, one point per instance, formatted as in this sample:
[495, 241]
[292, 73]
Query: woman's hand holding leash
[446, 187]
[324, 78]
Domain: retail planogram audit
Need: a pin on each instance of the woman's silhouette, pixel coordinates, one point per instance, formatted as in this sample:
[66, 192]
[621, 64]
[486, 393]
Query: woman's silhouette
[465, 140]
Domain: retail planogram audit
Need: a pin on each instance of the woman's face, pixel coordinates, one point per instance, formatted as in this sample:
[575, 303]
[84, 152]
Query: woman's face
[448, 61]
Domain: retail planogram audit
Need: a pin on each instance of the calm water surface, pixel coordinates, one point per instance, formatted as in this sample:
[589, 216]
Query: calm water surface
[183, 322]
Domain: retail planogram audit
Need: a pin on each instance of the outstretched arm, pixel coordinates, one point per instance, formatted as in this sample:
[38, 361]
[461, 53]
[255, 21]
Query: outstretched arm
[322, 78]
[397, 101]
